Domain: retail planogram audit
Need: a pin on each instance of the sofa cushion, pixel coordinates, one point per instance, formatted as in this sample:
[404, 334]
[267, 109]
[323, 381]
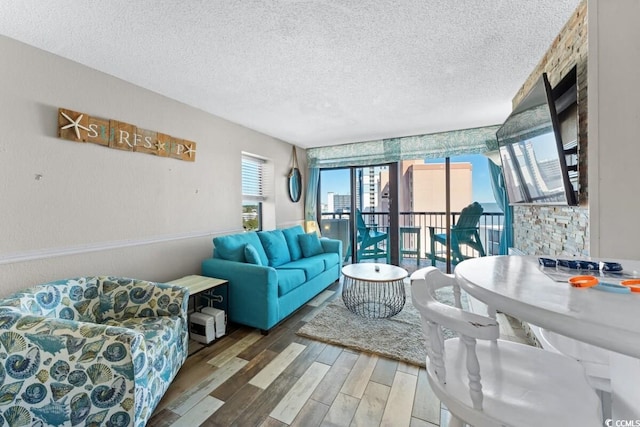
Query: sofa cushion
[289, 279]
[231, 247]
[330, 259]
[291, 236]
[311, 266]
[275, 246]
[310, 244]
[251, 254]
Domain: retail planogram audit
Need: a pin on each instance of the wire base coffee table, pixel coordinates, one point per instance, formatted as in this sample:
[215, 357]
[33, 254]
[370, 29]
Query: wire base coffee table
[374, 290]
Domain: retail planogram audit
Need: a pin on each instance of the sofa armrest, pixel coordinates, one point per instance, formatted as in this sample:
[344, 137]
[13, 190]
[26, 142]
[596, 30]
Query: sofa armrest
[140, 298]
[253, 290]
[332, 245]
[95, 363]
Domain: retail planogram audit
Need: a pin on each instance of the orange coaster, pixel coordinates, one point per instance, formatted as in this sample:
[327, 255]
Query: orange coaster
[633, 284]
[583, 281]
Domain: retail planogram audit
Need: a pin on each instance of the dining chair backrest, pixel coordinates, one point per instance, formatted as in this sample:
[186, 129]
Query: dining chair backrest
[520, 385]
[436, 315]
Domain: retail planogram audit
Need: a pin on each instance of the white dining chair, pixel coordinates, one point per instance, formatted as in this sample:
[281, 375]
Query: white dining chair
[485, 381]
[595, 360]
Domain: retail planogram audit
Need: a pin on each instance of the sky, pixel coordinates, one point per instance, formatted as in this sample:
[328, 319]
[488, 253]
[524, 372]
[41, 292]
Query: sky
[338, 180]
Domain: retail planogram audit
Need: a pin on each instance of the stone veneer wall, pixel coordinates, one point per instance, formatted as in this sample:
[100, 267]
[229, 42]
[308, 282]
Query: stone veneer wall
[560, 230]
[552, 230]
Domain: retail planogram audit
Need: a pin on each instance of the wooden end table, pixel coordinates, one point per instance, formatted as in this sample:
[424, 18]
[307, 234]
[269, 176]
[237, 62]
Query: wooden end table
[215, 291]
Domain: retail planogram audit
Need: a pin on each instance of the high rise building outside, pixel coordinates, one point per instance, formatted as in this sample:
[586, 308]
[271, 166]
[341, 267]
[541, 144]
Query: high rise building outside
[338, 203]
[422, 187]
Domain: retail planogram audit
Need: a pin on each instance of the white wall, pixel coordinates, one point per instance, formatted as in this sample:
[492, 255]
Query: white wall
[69, 209]
[614, 128]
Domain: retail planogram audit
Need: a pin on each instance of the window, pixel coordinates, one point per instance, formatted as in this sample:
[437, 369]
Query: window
[252, 192]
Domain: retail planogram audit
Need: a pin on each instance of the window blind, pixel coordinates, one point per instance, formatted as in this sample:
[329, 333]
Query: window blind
[252, 178]
[434, 146]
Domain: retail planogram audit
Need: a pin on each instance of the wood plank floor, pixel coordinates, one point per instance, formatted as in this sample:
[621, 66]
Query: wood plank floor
[282, 379]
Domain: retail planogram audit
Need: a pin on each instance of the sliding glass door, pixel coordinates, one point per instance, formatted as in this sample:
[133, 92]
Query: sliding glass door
[355, 206]
[402, 213]
[334, 205]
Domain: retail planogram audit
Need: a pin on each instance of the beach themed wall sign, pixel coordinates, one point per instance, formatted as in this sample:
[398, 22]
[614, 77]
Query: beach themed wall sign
[81, 127]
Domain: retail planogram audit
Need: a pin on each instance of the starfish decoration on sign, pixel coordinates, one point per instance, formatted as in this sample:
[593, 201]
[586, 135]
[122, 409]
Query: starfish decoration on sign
[160, 146]
[189, 150]
[75, 124]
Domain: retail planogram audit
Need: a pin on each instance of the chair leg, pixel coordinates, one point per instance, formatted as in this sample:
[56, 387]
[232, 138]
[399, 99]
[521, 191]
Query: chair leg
[456, 254]
[432, 246]
[432, 255]
[387, 249]
[479, 247]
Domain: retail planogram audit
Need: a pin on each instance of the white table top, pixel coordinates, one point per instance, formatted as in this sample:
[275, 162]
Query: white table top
[517, 286]
[366, 271]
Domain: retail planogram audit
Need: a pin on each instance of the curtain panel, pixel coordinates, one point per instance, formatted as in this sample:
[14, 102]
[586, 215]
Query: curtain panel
[311, 200]
[434, 146]
[500, 194]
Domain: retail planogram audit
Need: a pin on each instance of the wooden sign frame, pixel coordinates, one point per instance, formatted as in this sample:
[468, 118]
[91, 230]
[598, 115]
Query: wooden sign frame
[80, 127]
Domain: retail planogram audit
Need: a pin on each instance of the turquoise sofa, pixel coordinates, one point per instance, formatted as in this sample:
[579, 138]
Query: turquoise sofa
[272, 273]
[90, 351]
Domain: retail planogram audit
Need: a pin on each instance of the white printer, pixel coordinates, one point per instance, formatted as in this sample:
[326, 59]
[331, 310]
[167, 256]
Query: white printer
[207, 325]
[220, 319]
[202, 328]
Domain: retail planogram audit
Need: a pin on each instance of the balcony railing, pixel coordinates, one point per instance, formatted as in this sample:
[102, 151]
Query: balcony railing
[336, 225]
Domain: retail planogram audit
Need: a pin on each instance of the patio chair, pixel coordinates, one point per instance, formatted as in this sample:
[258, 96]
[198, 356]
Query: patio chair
[464, 232]
[486, 381]
[372, 244]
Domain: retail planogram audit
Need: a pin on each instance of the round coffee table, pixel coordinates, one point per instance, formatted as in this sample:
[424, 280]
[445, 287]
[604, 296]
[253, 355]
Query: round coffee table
[374, 290]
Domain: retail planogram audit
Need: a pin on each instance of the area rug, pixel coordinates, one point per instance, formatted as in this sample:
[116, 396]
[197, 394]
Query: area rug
[399, 337]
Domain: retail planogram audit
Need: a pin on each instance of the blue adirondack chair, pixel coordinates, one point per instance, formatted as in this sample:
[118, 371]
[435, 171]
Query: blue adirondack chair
[464, 232]
[372, 244]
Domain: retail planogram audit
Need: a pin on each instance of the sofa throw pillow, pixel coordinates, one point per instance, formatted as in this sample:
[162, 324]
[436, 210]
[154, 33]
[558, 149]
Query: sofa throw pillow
[251, 254]
[310, 244]
[291, 236]
[231, 247]
[275, 246]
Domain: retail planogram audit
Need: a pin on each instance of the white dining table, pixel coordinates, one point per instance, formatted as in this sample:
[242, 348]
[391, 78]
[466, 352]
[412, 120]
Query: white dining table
[518, 286]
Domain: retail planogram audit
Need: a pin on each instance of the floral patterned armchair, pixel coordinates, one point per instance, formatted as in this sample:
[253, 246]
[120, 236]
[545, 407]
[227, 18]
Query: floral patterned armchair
[91, 351]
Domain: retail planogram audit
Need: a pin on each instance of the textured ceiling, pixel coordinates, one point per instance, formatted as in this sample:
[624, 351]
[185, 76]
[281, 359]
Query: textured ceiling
[310, 72]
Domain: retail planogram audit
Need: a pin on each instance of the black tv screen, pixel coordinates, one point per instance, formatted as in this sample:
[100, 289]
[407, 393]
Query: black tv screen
[532, 154]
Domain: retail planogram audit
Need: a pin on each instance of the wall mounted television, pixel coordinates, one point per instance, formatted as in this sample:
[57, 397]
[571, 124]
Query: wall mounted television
[533, 157]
